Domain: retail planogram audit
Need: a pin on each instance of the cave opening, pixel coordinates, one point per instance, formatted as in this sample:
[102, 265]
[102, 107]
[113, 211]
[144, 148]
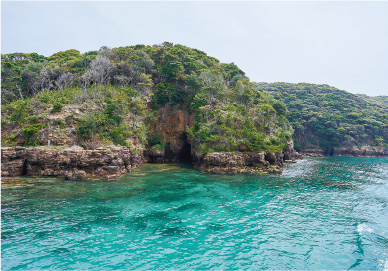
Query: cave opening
[329, 151]
[24, 168]
[185, 153]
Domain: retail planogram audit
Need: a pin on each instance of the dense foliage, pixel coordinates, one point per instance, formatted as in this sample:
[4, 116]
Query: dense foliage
[107, 115]
[119, 90]
[327, 118]
[245, 119]
[375, 99]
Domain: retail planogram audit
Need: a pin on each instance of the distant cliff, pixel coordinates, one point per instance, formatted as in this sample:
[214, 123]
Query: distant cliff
[330, 121]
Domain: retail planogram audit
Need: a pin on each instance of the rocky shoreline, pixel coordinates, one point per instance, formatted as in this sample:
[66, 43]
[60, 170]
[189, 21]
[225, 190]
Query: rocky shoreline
[348, 152]
[69, 163]
[246, 162]
[312, 153]
[112, 162]
[360, 153]
[240, 162]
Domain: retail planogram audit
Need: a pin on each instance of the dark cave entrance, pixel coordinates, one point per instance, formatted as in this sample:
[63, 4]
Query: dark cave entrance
[184, 155]
[328, 151]
[24, 168]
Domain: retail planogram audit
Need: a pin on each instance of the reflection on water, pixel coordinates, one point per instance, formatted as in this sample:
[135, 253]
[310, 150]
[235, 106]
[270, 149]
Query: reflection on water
[327, 213]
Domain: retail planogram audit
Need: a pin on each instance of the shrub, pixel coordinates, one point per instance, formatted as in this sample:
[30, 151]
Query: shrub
[4, 122]
[18, 110]
[160, 146]
[155, 139]
[31, 133]
[8, 141]
[118, 135]
[57, 107]
[91, 125]
[44, 98]
[60, 123]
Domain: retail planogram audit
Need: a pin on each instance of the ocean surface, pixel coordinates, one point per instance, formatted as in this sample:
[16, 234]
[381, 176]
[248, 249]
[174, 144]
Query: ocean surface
[321, 213]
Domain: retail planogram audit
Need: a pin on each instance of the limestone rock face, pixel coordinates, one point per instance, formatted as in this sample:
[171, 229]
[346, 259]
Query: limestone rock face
[71, 163]
[155, 156]
[246, 162]
[171, 124]
[58, 137]
[290, 154]
[13, 161]
[312, 153]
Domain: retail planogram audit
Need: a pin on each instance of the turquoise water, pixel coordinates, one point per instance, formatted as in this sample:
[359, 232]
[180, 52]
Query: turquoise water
[329, 213]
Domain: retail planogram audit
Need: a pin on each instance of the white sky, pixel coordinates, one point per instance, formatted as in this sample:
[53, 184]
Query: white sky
[343, 44]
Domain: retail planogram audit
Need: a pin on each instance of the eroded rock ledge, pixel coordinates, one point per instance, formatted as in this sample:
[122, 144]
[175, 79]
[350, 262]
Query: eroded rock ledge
[70, 163]
[364, 151]
[246, 162]
[361, 152]
[112, 162]
[239, 162]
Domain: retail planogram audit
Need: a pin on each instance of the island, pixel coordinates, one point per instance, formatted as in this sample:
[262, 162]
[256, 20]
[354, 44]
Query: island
[104, 113]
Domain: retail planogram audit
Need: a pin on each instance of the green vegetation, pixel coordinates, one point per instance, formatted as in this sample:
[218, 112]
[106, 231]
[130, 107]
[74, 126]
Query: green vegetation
[239, 127]
[327, 118]
[109, 115]
[376, 99]
[156, 142]
[110, 96]
[31, 133]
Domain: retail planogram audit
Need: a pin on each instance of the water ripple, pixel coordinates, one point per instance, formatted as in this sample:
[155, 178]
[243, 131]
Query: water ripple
[324, 213]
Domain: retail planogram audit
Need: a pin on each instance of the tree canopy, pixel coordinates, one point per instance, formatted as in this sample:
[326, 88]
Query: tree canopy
[325, 117]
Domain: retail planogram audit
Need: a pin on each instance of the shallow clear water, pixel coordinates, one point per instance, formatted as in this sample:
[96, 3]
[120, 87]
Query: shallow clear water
[329, 213]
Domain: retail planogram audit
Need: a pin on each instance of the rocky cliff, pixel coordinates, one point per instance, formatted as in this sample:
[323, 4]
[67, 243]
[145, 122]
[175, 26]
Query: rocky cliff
[70, 163]
[171, 125]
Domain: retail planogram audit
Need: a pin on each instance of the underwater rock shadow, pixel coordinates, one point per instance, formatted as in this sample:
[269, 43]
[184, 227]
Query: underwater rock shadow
[102, 215]
[122, 195]
[80, 227]
[172, 231]
[168, 197]
[62, 251]
[191, 206]
[137, 223]
[215, 227]
[144, 220]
